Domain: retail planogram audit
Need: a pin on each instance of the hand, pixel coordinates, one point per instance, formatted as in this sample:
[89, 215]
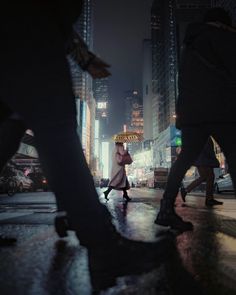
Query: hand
[98, 68]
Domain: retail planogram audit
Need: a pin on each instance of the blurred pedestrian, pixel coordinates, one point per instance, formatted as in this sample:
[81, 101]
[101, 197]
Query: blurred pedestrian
[35, 83]
[205, 164]
[206, 104]
[118, 179]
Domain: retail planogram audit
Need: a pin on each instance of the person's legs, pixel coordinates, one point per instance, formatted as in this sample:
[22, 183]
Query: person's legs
[106, 193]
[210, 177]
[202, 176]
[225, 137]
[125, 195]
[193, 141]
[51, 113]
[199, 180]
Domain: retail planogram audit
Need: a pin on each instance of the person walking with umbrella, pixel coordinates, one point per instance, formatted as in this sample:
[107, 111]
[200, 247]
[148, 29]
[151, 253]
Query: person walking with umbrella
[119, 181]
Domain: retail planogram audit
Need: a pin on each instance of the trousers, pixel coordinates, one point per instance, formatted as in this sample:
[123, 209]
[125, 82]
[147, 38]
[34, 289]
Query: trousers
[193, 140]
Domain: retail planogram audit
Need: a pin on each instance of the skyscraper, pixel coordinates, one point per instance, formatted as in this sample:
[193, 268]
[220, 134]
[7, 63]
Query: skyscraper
[164, 67]
[133, 111]
[82, 85]
[169, 19]
[101, 95]
[147, 89]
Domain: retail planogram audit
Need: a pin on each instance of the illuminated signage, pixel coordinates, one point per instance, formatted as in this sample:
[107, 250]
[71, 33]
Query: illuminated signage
[102, 105]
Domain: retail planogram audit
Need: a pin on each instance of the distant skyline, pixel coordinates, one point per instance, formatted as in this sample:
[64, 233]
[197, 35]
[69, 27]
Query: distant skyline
[119, 29]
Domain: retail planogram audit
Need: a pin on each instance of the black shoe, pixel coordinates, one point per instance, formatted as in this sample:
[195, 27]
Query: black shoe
[61, 226]
[212, 202]
[183, 194]
[127, 198]
[106, 195]
[174, 221]
[121, 257]
[5, 241]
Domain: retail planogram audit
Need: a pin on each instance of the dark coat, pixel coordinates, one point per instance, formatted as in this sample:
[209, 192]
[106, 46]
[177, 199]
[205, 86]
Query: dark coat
[207, 157]
[207, 76]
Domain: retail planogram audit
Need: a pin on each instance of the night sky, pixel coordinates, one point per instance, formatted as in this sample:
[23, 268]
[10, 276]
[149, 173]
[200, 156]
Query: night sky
[119, 28]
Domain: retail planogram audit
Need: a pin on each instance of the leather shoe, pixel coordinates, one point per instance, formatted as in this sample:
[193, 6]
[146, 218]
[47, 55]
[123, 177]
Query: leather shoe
[123, 257]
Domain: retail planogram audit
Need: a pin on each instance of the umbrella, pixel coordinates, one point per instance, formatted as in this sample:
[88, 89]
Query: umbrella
[127, 136]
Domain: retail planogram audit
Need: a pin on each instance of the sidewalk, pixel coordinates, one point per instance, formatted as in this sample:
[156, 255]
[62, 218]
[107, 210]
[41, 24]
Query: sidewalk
[205, 256]
[218, 224]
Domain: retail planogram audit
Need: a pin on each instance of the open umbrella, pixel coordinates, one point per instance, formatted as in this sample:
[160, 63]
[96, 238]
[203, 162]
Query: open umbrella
[127, 136]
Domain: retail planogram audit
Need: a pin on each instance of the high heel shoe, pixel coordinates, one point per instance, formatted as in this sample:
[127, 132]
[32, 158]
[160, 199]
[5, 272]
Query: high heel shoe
[106, 195]
[127, 198]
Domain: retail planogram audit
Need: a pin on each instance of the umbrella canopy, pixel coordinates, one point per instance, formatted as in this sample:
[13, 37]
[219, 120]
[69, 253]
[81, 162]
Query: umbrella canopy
[127, 136]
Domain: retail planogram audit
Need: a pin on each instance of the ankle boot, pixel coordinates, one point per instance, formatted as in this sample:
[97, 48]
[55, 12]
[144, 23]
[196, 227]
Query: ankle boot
[168, 217]
[183, 193]
[126, 198]
[212, 202]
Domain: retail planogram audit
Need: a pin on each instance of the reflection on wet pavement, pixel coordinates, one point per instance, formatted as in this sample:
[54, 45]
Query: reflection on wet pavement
[201, 262]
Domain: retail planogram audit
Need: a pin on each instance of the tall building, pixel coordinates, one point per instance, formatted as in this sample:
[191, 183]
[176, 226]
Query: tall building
[134, 116]
[147, 89]
[164, 62]
[169, 19]
[164, 69]
[82, 85]
[133, 111]
[101, 95]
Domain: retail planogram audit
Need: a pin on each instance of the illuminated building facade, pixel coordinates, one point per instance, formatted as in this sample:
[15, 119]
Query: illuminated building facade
[82, 86]
[101, 95]
[147, 90]
[169, 19]
[133, 111]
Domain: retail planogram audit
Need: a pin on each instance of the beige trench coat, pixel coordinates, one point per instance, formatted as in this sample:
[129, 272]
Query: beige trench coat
[118, 179]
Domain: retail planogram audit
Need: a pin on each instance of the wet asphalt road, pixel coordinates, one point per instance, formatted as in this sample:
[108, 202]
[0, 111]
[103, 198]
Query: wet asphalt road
[204, 261]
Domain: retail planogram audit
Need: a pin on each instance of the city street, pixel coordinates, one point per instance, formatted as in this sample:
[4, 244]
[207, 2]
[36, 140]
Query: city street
[41, 263]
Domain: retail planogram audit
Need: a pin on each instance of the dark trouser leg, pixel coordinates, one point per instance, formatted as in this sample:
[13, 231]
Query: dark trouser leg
[193, 141]
[198, 181]
[225, 137]
[106, 193]
[63, 159]
[125, 192]
[51, 114]
[210, 177]
[11, 133]
[125, 195]
[108, 190]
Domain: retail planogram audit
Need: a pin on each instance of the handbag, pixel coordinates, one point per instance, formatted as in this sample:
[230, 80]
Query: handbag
[124, 159]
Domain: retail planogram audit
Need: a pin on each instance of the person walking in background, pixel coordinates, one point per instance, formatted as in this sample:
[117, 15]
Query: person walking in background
[205, 164]
[118, 179]
[206, 104]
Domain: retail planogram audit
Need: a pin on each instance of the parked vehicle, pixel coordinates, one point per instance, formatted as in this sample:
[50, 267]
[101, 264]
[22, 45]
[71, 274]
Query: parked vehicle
[224, 184]
[39, 181]
[23, 182]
